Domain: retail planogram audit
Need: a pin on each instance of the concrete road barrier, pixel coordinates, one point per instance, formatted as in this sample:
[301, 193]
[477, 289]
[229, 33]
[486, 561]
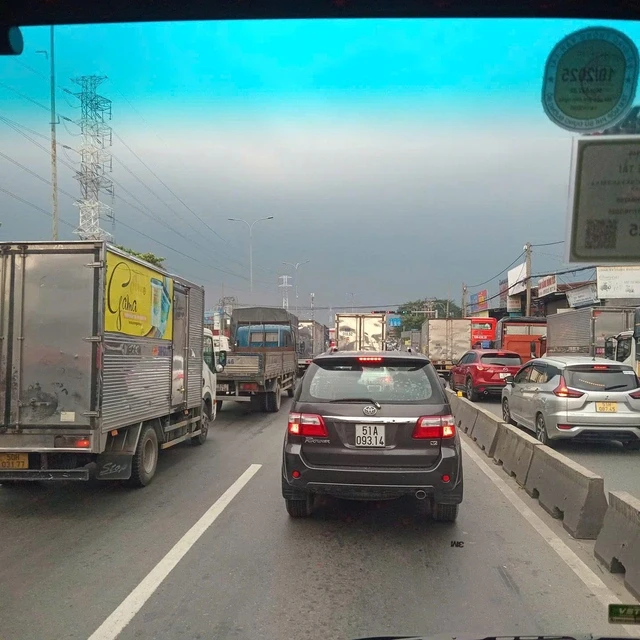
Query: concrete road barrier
[568, 491]
[485, 431]
[618, 544]
[514, 451]
[453, 400]
[465, 413]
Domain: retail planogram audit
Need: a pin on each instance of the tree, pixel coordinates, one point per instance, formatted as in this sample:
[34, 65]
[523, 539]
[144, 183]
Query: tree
[413, 321]
[149, 257]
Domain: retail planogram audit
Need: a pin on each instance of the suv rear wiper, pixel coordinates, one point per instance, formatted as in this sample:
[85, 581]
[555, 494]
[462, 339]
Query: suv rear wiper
[615, 386]
[375, 403]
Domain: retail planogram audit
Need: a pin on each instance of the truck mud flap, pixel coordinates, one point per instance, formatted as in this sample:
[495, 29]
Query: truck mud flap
[113, 466]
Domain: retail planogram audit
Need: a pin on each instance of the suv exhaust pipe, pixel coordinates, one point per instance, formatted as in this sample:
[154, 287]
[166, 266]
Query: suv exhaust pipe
[421, 495]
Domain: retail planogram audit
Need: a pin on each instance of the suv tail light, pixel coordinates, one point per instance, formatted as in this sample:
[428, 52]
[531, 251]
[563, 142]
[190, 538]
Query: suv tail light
[307, 424]
[636, 394]
[562, 391]
[443, 427]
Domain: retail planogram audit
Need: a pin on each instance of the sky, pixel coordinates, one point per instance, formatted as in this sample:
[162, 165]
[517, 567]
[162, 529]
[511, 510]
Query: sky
[400, 158]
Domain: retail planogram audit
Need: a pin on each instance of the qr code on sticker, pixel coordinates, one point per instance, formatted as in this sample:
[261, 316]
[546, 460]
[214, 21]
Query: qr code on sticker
[601, 234]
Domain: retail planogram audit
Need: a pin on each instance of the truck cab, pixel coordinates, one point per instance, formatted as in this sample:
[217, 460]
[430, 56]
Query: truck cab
[212, 365]
[621, 348]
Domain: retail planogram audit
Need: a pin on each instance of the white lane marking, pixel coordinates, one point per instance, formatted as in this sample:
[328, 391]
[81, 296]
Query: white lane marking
[111, 628]
[586, 575]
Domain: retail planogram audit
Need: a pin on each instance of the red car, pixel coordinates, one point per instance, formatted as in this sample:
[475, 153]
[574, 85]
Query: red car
[483, 371]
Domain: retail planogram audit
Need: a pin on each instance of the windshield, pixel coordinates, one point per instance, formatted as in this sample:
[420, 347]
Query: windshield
[601, 380]
[398, 383]
[409, 190]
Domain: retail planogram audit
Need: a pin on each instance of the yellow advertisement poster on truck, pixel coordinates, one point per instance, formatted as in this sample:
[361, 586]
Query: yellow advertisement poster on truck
[138, 301]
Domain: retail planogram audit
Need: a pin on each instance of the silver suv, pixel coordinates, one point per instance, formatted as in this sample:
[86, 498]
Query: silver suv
[563, 397]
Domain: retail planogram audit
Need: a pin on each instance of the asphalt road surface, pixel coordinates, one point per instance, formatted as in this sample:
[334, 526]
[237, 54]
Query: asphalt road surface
[208, 551]
[619, 468]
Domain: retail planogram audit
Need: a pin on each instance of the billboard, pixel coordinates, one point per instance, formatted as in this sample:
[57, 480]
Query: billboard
[514, 304]
[478, 301]
[516, 279]
[504, 292]
[583, 296]
[138, 300]
[618, 282]
[547, 286]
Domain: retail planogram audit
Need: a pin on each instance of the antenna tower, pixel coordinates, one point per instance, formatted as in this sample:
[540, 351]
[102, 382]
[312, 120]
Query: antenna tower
[95, 158]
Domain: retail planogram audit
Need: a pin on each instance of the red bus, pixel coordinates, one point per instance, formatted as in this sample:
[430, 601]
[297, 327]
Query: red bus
[483, 332]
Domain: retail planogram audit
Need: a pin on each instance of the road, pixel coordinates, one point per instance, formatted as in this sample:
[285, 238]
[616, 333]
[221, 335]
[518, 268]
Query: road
[72, 555]
[618, 467]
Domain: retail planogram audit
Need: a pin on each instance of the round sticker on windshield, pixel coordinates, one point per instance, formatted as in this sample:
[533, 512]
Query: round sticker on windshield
[590, 80]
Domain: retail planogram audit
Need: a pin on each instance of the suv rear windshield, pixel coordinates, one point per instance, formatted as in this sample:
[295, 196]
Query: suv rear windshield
[501, 361]
[397, 381]
[610, 379]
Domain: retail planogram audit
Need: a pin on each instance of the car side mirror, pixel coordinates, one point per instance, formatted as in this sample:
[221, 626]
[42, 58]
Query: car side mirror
[443, 382]
[510, 380]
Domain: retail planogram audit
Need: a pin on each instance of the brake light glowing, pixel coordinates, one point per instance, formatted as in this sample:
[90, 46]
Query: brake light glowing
[600, 367]
[369, 359]
[562, 391]
[434, 427]
[307, 424]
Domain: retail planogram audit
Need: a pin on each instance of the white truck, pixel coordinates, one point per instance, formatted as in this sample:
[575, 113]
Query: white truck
[445, 340]
[586, 331]
[361, 331]
[313, 339]
[101, 363]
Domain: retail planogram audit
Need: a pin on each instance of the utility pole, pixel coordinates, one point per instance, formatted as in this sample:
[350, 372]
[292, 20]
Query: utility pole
[464, 300]
[55, 219]
[250, 226]
[284, 285]
[313, 324]
[527, 250]
[96, 160]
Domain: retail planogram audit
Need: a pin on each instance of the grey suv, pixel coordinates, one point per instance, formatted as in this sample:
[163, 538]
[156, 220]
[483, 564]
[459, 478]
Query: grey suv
[372, 426]
[575, 397]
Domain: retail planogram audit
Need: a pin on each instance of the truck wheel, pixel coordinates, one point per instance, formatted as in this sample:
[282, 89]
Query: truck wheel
[274, 399]
[292, 389]
[218, 405]
[204, 426]
[145, 459]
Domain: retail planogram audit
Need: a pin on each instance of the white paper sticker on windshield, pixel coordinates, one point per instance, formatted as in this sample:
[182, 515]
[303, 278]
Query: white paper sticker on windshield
[604, 225]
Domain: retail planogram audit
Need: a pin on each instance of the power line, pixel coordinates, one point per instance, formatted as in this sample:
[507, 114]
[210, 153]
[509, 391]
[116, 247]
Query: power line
[473, 286]
[181, 253]
[548, 244]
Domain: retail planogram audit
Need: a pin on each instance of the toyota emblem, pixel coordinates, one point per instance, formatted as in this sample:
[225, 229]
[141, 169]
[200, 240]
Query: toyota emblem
[370, 411]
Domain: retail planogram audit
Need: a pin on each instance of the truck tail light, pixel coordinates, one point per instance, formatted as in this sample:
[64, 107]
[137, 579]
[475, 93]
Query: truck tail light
[434, 427]
[562, 391]
[307, 424]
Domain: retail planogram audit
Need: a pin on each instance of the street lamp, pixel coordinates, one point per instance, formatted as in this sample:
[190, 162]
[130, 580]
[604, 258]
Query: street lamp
[295, 268]
[250, 225]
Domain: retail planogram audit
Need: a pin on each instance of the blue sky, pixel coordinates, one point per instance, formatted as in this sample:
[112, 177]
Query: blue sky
[400, 157]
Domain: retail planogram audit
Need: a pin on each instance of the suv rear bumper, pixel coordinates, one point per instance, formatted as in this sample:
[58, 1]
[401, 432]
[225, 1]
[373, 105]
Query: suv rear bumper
[490, 387]
[372, 484]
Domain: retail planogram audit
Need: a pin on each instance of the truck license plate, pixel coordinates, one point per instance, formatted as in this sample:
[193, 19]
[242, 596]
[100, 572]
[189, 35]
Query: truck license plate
[370, 435]
[14, 460]
[222, 387]
[606, 407]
